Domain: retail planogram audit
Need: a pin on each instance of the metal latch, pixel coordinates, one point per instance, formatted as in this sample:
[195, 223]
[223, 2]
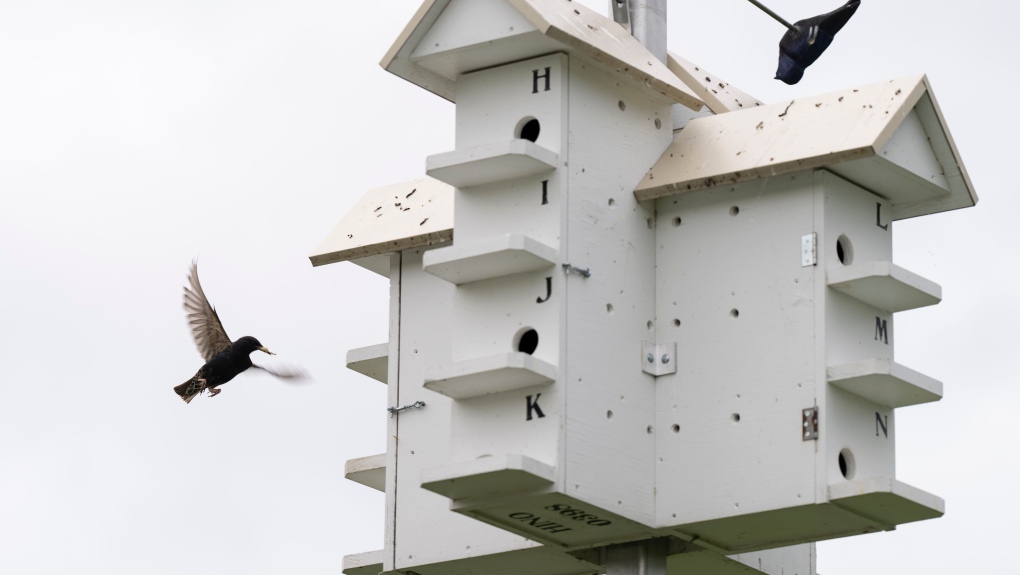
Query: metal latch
[395, 410]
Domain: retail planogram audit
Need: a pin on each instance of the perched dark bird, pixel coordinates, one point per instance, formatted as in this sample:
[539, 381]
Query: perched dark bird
[807, 39]
[223, 359]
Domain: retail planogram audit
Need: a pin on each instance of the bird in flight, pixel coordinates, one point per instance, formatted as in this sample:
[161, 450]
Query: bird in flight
[224, 359]
[806, 39]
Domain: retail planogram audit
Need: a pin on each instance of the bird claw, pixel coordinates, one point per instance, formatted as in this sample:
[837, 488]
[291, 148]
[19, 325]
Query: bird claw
[213, 392]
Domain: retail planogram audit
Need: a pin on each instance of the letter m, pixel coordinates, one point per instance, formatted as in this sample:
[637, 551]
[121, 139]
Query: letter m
[881, 330]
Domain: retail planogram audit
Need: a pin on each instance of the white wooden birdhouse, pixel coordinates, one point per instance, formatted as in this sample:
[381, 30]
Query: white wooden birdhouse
[629, 332]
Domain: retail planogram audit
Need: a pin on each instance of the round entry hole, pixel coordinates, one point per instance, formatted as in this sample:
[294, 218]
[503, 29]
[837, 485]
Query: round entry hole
[734, 210]
[676, 222]
[527, 341]
[735, 418]
[734, 312]
[846, 463]
[676, 428]
[528, 129]
[844, 250]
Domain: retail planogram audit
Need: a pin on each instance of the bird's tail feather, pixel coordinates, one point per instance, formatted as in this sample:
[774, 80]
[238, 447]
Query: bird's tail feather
[189, 389]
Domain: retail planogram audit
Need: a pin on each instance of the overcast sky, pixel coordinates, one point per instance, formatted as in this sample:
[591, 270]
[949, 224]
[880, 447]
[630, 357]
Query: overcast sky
[136, 135]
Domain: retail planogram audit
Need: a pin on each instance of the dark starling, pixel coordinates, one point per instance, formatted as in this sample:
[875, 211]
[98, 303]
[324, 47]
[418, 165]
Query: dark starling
[223, 359]
[808, 38]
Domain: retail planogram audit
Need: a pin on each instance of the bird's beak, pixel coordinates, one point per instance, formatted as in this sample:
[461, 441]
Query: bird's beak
[266, 350]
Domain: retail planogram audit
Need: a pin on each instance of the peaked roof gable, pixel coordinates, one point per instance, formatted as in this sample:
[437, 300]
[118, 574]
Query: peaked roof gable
[889, 138]
[469, 35]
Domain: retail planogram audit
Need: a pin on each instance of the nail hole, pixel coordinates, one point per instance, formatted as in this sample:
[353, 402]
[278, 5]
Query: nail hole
[650, 325]
[735, 418]
[734, 211]
[734, 312]
[609, 414]
[676, 323]
[658, 124]
[527, 341]
[846, 463]
[651, 223]
[676, 428]
[676, 222]
[612, 202]
[527, 129]
[648, 430]
[609, 308]
[622, 106]
[844, 250]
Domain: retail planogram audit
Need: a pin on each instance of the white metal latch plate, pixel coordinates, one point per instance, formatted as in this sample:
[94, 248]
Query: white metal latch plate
[809, 250]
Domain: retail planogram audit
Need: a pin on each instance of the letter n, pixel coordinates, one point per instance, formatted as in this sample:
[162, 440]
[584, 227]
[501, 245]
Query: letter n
[879, 423]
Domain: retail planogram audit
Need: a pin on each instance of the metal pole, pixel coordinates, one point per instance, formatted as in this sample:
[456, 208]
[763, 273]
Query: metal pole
[640, 558]
[647, 22]
[778, 18]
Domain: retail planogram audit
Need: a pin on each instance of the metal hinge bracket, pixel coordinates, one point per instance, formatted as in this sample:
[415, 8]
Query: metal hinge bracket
[809, 423]
[658, 359]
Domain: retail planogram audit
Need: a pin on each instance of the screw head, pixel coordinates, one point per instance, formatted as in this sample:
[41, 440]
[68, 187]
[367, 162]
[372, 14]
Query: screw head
[665, 358]
[651, 358]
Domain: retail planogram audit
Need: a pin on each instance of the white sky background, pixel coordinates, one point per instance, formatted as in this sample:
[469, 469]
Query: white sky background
[135, 135]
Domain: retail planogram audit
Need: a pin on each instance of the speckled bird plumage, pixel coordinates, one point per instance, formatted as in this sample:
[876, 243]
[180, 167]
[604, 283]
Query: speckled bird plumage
[224, 359]
[801, 46]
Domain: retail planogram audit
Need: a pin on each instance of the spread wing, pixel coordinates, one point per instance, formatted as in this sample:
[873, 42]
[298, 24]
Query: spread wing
[284, 371]
[202, 319]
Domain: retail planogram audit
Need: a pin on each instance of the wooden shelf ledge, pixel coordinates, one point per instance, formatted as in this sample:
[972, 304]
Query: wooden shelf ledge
[885, 382]
[489, 258]
[372, 361]
[886, 500]
[369, 471]
[885, 285]
[488, 477]
[850, 508]
[367, 563]
[490, 163]
[489, 375]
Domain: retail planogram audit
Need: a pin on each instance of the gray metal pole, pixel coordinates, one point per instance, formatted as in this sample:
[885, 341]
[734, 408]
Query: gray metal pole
[639, 558]
[647, 22]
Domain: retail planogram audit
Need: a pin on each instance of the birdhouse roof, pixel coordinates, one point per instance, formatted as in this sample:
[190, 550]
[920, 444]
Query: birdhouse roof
[390, 219]
[889, 138]
[447, 38]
